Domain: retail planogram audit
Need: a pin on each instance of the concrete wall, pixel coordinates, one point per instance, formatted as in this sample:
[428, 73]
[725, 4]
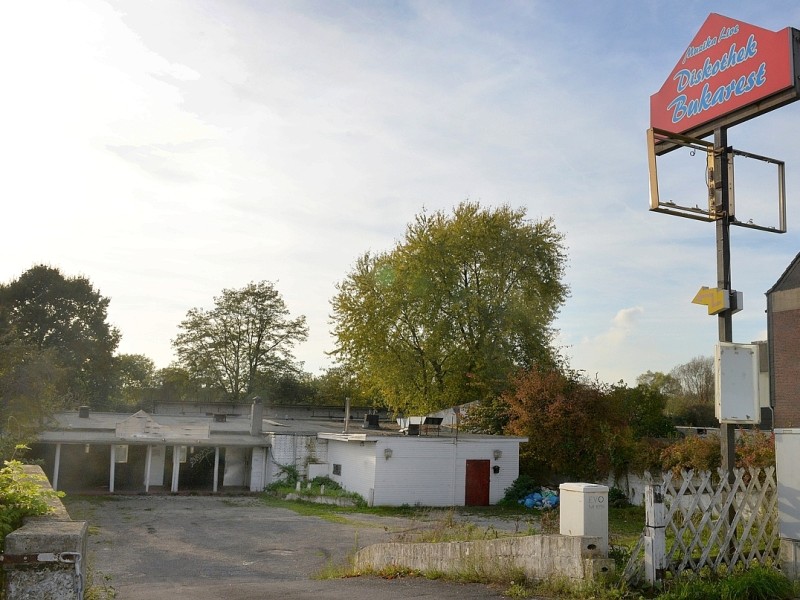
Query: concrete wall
[57, 548]
[538, 556]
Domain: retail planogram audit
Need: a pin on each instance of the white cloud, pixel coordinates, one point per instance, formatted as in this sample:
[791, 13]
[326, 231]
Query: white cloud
[168, 150]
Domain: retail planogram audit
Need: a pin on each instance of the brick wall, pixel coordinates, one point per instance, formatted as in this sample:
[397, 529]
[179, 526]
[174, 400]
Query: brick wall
[785, 331]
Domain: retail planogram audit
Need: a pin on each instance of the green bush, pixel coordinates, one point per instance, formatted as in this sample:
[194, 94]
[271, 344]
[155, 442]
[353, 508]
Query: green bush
[522, 486]
[329, 483]
[21, 495]
[617, 498]
[288, 474]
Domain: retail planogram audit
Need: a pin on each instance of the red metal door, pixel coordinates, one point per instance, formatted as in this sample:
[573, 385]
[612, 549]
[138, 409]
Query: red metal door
[477, 483]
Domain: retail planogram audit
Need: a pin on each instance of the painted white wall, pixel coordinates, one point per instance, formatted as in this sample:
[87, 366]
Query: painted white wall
[425, 471]
[432, 471]
[787, 449]
[358, 466]
[632, 484]
[318, 470]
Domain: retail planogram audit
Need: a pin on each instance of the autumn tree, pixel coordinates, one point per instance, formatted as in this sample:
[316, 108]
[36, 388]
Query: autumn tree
[561, 414]
[249, 332]
[583, 428]
[48, 317]
[463, 301]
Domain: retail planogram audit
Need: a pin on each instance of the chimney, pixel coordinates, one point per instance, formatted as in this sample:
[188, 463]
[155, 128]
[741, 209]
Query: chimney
[83, 412]
[256, 416]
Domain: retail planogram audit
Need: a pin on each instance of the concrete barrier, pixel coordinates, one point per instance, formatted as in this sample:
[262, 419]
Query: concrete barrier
[45, 559]
[537, 556]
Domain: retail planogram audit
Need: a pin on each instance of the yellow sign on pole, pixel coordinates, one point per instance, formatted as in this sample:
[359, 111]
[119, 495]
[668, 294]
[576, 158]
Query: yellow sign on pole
[716, 299]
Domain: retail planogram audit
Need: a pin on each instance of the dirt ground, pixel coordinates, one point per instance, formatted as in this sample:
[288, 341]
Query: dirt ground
[237, 548]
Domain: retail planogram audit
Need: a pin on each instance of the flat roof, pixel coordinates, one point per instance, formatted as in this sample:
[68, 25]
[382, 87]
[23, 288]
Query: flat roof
[201, 429]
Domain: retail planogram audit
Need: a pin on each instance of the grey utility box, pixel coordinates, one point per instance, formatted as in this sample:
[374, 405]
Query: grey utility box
[584, 511]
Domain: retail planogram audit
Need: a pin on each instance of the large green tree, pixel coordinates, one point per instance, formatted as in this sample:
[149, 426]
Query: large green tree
[459, 304]
[44, 312]
[249, 332]
[134, 379]
[32, 386]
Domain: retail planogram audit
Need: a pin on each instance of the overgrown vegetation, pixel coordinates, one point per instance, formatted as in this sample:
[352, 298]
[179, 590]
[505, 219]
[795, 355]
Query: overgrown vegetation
[314, 490]
[577, 427]
[754, 449]
[21, 495]
[625, 526]
[99, 586]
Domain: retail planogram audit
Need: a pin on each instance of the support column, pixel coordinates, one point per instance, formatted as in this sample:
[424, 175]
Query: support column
[56, 466]
[112, 468]
[216, 468]
[725, 318]
[148, 462]
[176, 467]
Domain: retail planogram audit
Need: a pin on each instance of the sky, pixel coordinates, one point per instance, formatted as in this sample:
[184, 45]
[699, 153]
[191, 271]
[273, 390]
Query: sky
[167, 150]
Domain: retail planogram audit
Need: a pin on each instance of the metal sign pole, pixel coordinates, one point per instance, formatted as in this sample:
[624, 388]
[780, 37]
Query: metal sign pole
[725, 318]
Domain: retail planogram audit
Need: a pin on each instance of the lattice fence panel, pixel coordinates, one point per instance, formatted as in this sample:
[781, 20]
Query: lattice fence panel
[715, 524]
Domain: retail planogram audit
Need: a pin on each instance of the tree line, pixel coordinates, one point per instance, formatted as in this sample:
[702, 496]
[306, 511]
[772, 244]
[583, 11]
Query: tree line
[460, 310]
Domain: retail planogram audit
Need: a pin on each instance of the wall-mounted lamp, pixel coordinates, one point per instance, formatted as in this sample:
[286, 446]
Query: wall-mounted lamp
[497, 454]
[86, 448]
[387, 453]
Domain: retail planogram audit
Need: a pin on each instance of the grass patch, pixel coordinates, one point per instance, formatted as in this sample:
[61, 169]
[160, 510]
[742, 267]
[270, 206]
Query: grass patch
[625, 525]
[329, 512]
[319, 487]
[98, 586]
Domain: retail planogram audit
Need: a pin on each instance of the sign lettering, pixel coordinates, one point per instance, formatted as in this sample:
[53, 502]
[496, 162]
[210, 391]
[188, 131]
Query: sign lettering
[728, 66]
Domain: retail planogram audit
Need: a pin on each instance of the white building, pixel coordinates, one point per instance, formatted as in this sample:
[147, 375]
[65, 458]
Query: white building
[197, 449]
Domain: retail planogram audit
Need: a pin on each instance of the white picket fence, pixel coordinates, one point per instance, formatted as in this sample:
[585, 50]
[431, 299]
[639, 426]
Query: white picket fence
[697, 521]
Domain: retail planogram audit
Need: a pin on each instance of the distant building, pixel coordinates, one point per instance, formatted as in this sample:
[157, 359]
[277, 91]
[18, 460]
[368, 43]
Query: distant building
[783, 331]
[226, 447]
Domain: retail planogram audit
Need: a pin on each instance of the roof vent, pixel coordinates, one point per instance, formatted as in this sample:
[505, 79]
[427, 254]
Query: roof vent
[83, 412]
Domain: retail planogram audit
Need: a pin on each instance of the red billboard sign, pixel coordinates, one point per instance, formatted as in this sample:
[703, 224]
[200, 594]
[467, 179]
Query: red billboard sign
[730, 72]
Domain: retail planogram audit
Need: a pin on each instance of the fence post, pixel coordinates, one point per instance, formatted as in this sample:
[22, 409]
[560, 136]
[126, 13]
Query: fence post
[654, 541]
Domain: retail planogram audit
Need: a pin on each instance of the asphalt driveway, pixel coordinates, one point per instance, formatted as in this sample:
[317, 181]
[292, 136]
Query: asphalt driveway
[237, 548]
